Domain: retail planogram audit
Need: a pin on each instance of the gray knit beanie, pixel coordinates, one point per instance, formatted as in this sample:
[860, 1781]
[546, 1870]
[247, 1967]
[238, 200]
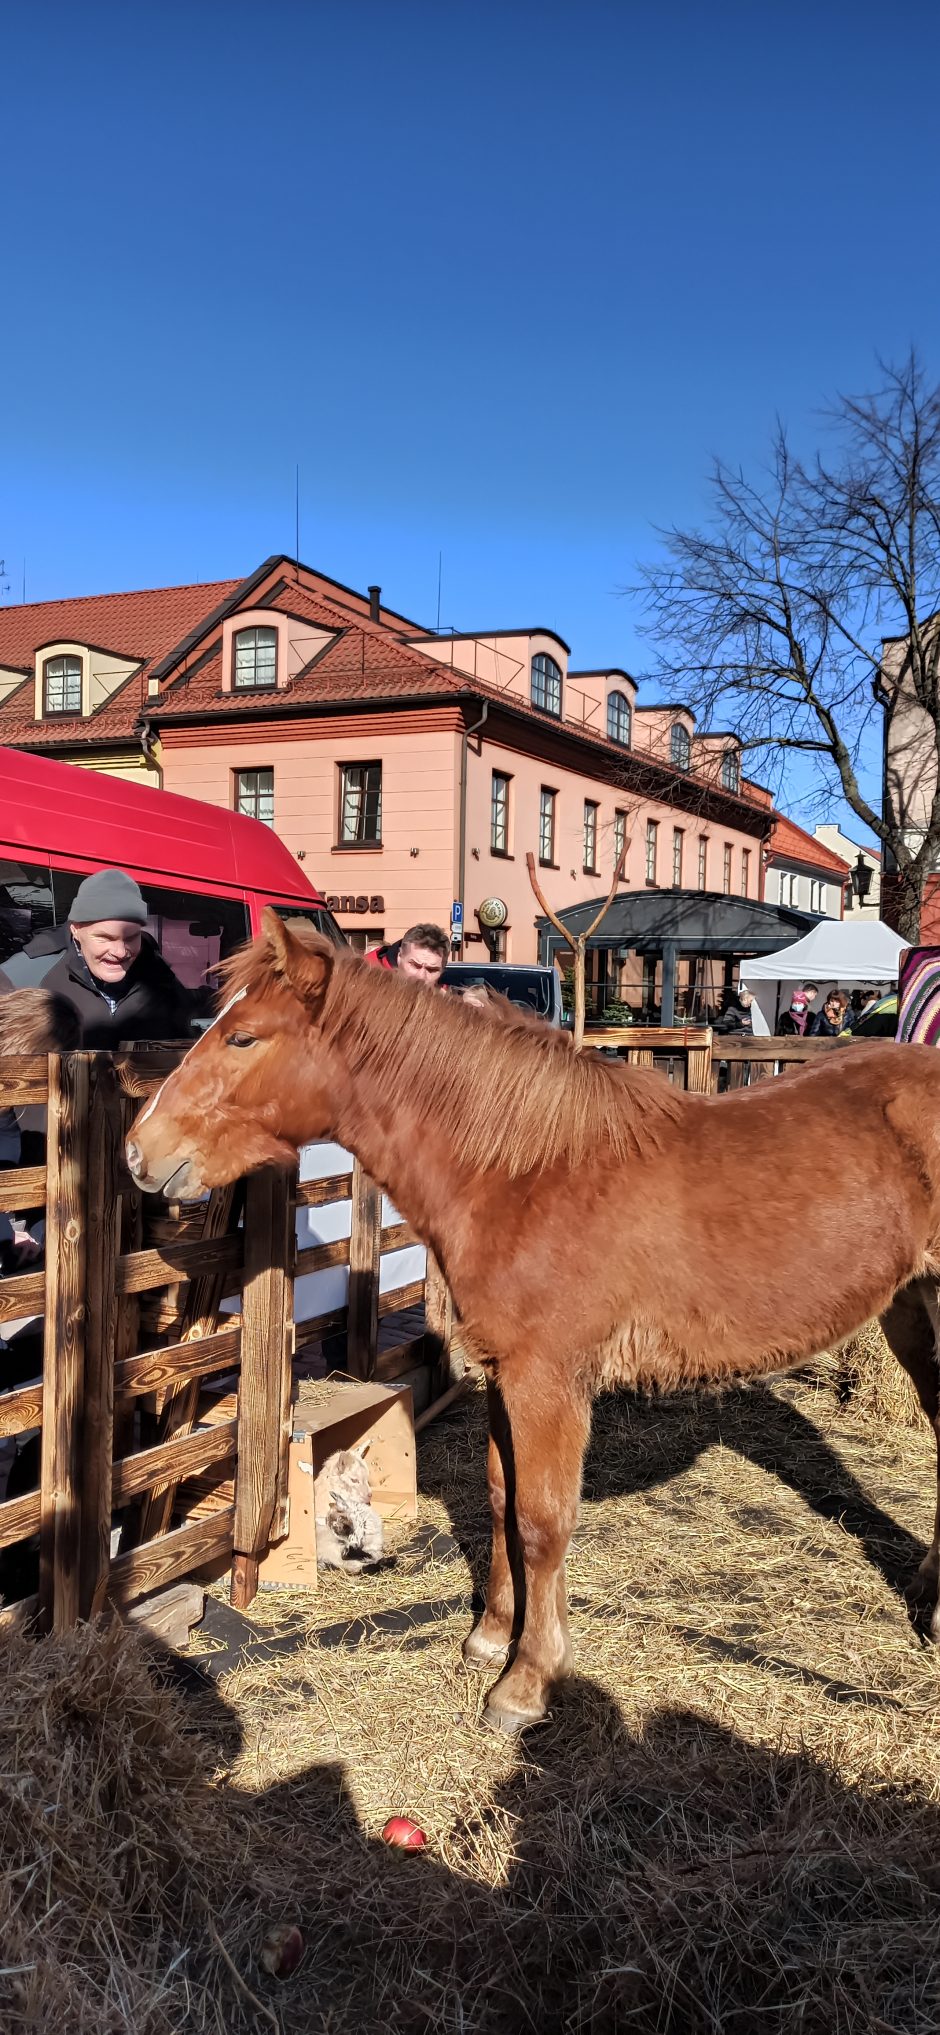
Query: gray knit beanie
[109, 894]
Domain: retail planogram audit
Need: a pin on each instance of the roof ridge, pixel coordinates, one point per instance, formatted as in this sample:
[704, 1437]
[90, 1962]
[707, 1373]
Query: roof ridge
[124, 594]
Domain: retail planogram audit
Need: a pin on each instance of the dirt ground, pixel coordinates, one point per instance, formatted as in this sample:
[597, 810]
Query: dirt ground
[731, 1821]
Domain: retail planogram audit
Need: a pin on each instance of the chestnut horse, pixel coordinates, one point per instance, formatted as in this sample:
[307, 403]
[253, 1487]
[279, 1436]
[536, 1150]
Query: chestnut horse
[596, 1226]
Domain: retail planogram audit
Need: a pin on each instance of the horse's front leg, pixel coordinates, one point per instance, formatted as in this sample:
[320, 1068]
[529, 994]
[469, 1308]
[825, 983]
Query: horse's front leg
[549, 1431]
[492, 1635]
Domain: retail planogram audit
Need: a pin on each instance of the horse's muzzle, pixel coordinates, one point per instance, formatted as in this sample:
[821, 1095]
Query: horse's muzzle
[174, 1179]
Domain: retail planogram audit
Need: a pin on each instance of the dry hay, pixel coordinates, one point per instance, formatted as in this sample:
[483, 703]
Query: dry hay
[731, 1822]
[868, 1376]
[112, 1845]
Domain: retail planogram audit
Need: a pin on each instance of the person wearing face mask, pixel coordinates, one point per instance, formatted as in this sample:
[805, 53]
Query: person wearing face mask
[107, 967]
[792, 1023]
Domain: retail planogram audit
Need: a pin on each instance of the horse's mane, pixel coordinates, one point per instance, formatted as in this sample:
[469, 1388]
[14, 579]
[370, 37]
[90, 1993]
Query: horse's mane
[37, 1021]
[509, 1089]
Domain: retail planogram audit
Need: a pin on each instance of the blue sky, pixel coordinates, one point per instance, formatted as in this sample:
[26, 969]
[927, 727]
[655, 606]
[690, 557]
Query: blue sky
[500, 278]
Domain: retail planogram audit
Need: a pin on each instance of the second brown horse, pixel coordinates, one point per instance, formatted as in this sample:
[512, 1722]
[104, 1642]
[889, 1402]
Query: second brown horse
[596, 1226]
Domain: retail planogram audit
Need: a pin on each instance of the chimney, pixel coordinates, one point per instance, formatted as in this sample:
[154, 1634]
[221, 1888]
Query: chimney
[375, 603]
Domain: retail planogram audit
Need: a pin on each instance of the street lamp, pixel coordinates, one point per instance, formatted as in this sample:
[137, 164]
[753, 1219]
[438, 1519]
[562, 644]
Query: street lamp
[861, 878]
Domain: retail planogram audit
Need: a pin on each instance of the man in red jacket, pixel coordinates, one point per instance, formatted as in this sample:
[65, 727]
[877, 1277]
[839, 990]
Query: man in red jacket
[423, 953]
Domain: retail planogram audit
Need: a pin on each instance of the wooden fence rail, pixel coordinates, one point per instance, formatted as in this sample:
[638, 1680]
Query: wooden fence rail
[159, 1420]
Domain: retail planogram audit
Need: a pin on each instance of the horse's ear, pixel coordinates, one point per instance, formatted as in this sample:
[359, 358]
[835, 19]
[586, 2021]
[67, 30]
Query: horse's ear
[305, 965]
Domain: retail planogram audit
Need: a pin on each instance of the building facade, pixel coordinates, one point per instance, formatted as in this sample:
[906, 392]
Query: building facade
[404, 769]
[802, 872]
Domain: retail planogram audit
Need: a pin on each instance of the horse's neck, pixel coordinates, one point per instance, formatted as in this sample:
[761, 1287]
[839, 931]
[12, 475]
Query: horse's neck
[413, 1160]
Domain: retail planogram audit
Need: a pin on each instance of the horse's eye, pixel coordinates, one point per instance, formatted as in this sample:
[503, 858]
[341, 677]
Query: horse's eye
[240, 1039]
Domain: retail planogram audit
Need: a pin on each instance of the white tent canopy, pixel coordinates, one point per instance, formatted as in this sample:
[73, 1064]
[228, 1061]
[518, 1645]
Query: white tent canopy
[838, 953]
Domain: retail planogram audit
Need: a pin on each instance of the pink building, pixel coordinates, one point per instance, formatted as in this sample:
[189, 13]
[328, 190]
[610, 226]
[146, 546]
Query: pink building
[404, 769]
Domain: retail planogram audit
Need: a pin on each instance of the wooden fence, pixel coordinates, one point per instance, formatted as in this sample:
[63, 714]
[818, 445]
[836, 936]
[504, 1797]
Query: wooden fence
[701, 1060]
[164, 1421]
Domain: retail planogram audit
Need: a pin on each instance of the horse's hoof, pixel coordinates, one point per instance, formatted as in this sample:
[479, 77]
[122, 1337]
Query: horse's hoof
[501, 1717]
[481, 1652]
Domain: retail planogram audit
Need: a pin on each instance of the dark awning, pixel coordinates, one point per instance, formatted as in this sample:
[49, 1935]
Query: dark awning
[689, 921]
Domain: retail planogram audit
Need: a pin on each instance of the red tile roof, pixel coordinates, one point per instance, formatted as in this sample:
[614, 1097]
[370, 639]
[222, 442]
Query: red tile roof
[790, 843]
[145, 626]
[165, 627]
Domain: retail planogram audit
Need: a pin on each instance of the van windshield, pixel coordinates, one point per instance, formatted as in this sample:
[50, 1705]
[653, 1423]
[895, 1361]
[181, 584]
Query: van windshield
[313, 915]
[530, 987]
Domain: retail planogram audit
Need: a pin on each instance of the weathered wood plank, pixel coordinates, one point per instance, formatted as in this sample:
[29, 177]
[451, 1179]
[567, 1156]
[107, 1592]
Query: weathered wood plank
[19, 1518]
[22, 1293]
[64, 1347]
[396, 1237]
[402, 1298]
[365, 1250]
[105, 1169]
[319, 1193]
[24, 1078]
[156, 1369]
[172, 1460]
[391, 1363]
[22, 1409]
[264, 1393]
[26, 1188]
[319, 1256]
[203, 1257]
[171, 1555]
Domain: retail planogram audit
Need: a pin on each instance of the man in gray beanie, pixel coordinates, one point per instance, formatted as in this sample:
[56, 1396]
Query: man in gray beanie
[107, 967]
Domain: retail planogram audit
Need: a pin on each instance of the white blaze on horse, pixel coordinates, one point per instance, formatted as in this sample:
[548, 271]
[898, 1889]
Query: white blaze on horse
[580, 1212]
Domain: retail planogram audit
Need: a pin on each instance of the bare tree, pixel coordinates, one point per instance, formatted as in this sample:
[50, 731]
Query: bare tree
[773, 617]
[578, 941]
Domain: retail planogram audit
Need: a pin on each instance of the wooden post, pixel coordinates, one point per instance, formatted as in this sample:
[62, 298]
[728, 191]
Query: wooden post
[699, 1065]
[365, 1253]
[264, 1393]
[64, 1350]
[105, 1168]
[438, 1329]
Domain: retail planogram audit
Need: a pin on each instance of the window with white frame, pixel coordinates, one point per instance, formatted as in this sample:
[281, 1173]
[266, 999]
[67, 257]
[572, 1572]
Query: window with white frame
[547, 826]
[677, 838]
[680, 747]
[546, 684]
[360, 805]
[815, 894]
[254, 659]
[618, 718]
[590, 835]
[745, 870]
[652, 833]
[620, 835]
[499, 813]
[254, 795]
[726, 870]
[702, 862]
[731, 770]
[62, 685]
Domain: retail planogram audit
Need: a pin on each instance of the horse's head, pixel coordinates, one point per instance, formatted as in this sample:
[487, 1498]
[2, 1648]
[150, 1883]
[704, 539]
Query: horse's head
[258, 1082]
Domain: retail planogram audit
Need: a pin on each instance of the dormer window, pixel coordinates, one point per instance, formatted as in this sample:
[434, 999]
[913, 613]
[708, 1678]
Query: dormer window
[62, 685]
[546, 684]
[255, 659]
[731, 770]
[618, 718]
[680, 748]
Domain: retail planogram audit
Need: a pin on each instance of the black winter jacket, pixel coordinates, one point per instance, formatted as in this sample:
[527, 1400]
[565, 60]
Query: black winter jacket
[149, 1004]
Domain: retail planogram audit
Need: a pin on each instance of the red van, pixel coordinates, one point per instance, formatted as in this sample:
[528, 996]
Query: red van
[206, 874]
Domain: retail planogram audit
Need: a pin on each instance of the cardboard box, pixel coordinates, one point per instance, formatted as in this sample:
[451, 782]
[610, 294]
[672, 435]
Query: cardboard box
[337, 1413]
